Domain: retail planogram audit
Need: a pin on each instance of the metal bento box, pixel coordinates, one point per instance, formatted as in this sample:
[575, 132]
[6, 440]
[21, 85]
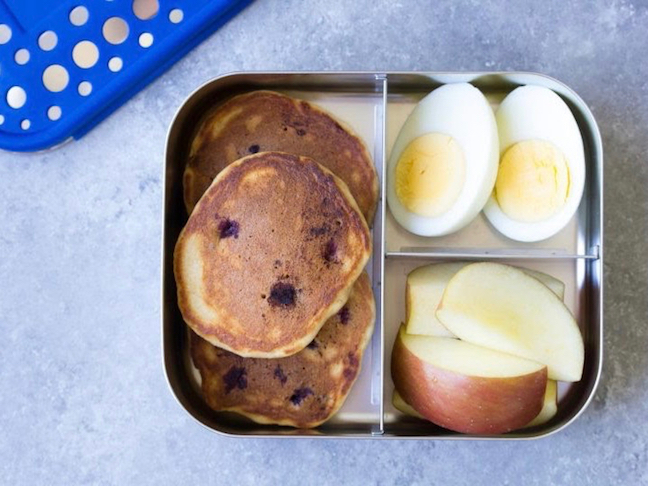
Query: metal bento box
[376, 104]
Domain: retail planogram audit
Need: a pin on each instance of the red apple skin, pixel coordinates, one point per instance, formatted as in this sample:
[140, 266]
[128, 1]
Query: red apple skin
[467, 404]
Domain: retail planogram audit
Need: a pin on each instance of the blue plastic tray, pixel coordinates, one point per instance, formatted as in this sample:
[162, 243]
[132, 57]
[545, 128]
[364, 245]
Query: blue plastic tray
[66, 65]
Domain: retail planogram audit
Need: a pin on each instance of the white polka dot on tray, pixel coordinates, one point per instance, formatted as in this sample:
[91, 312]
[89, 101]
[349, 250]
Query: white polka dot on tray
[115, 30]
[146, 40]
[85, 54]
[84, 88]
[79, 16]
[55, 78]
[54, 112]
[5, 33]
[47, 40]
[16, 97]
[22, 56]
[176, 15]
[115, 64]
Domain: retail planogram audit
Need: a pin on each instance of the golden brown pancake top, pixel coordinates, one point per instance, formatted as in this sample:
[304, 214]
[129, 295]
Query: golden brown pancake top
[302, 390]
[270, 252]
[267, 121]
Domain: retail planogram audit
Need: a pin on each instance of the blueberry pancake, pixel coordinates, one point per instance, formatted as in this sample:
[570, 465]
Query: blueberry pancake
[302, 390]
[270, 252]
[262, 121]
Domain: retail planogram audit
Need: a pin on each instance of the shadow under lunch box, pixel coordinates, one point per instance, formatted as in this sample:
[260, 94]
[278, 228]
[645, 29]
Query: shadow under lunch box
[376, 105]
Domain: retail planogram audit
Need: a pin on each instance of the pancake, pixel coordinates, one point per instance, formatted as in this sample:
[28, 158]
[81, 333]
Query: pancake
[302, 390]
[270, 252]
[267, 121]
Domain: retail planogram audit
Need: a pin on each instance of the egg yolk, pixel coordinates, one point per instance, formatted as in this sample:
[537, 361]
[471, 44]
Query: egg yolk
[532, 181]
[430, 174]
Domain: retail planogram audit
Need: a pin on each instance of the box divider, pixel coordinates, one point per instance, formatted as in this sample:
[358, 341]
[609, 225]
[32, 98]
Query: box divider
[382, 128]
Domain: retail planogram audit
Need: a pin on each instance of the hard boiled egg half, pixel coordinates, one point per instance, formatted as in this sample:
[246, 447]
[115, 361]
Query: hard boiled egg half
[541, 171]
[443, 165]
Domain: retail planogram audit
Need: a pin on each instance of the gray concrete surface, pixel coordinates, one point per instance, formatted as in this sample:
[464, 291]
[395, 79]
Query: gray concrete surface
[83, 398]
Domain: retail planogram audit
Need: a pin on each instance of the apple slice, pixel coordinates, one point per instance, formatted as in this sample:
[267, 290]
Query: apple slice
[552, 283]
[467, 388]
[501, 308]
[425, 286]
[402, 406]
[549, 406]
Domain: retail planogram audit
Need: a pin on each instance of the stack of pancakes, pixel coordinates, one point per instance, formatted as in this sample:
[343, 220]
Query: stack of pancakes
[269, 266]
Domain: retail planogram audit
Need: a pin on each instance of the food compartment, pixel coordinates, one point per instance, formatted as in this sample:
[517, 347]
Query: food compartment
[580, 277]
[375, 105]
[579, 238]
[357, 100]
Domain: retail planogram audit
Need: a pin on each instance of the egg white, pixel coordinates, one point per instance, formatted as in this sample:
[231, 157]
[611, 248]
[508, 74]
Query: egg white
[462, 112]
[537, 113]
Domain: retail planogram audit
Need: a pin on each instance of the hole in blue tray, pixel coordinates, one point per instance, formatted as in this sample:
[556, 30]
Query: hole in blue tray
[55, 78]
[25, 124]
[54, 112]
[16, 97]
[115, 64]
[115, 30]
[145, 9]
[146, 40]
[85, 54]
[22, 56]
[84, 88]
[176, 15]
[47, 40]
[5, 33]
[79, 16]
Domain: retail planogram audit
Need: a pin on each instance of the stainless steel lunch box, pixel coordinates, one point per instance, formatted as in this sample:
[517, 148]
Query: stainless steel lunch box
[376, 105]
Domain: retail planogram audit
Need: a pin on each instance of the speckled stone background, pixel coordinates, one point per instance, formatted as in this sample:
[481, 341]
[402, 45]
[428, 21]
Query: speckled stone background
[83, 398]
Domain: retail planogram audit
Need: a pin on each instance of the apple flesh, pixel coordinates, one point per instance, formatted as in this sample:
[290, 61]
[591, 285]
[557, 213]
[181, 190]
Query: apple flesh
[423, 292]
[501, 308]
[402, 406]
[467, 388]
[549, 407]
[424, 289]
